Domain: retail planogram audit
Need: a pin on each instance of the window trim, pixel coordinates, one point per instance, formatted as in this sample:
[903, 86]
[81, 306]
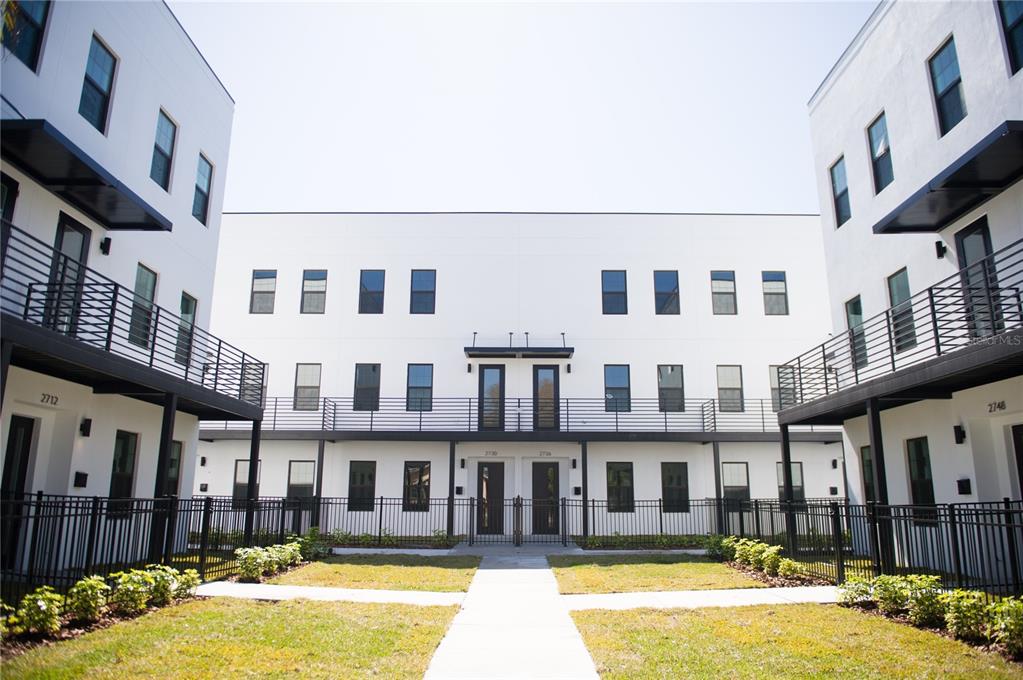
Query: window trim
[287, 492]
[958, 83]
[361, 505]
[677, 293]
[319, 388]
[614, 400]
[409, 387]
[620, 504]
[320, 293]
[356, 403]
[412, 292]
[253, 291]
[836, 195]
[206, 193]
[407, 505]
[876, 160]
[383, 289]
[161, 114]
[681, 389]
[109, 95]
[43, 33]
[784, 295]
[742, 389]
[624, 292]
[1013, 61]
[733, 293]
[682, 506]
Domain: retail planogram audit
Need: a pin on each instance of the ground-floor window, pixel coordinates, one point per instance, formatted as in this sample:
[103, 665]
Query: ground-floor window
[241, 481]
[798, 493]
[620, 493]
[921, 483]
[301, 478]
[415, 496]
[735, 481]
[867, 466]
[173, 470]
[122, 475]
[362, 476]
[675, 487]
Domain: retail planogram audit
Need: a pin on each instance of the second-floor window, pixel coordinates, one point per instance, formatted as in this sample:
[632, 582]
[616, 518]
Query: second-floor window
[730, 396]
[26, 38]
[371, 291]
[880, 153]
[666, 292]
[900, 319]
[264, 289]
[314, 291]
[948, 87]
[141, 331]
[99, 82]
[203, 182]
[307, 387]
[367, 387]
[722, 292]
[840, 192]
[1012, 24]
[424, 291]
[419, 391]
[783, 387]
[670, 389]
[163, 150]
[614, 296]
[617, 392]
[857, 338]
[186, 329]
[776, 294]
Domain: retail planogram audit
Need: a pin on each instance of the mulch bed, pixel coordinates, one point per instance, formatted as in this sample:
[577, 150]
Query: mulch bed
[779, 581]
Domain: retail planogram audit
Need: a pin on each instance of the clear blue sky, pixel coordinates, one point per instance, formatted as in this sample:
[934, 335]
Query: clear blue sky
[576, 107]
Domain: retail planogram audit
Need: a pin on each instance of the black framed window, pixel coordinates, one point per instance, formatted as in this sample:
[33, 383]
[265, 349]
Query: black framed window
[735, 481]
[1011, 12]
[203, 182]
[241, 480]
[880, 153]
[186, 329]
[614, 292]
[617, 389]
[140, 330]
[173, 478]
[415, 493]
[675, 487]
[367, 387]
[776, 293]
[921, 481]
[947, 83]
[620, 491]
[840, 192]
[8, 196]
[371, 291]
[94, 105]
[264, 289]
[314, 291]
[730, 394]
[25, 37]
[163, 150]
[424, 291]
[903, 329]
[361, 485]
[307, 387]
[253, 382]
[419, 389]
[867, 467]
[301, 478]
[857, 338]
[783, 387]
[122, 474]
[671, 396]
[666, 299]
[798, 492]
[722, 292]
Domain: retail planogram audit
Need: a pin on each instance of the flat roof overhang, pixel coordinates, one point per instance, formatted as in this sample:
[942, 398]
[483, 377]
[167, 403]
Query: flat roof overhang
[538, 436]
[987, 169]
[44, 153]
[989, 360]
[519, 352]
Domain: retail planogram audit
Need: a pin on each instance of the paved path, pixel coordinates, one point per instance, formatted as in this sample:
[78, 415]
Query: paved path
[692, 599]
[269, 591]
[512, 624]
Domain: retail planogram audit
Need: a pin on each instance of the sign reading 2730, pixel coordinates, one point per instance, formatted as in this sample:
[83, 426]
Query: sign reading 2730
[995, 406]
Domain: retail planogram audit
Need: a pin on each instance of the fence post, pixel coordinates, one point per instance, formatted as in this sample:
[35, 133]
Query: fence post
[472, 520]
[517, 520]
[564, 523]
[742, 522]
[872, 537]
[280, 520]
[170, 528]
[90, 547]
[839, 543]
[204, 536]
[953, 535]
[380, 522]
[1010, 535]
[660, 515]
[31, 543]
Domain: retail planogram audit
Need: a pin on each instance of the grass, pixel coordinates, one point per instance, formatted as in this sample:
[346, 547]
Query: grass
[788, 641]
[228, 638]
[388, 572]
[631, 573]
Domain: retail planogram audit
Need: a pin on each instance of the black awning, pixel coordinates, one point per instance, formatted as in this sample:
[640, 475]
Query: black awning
[53, 160]
[519, 352]
[982, 172]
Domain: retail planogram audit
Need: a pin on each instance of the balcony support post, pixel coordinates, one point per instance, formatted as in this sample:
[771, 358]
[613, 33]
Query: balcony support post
[451, 489]
[719, 514]
[886, 542]
[6, 349]
[320, 446]
[586, 489]
[251, 494]
[787, 492]
[160, 511]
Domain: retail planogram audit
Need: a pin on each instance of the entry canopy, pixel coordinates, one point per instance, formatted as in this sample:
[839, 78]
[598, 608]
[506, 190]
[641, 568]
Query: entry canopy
[519, 352]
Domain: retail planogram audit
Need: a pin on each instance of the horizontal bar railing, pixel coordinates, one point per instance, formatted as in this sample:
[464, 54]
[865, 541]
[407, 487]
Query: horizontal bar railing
[973, 306]
[47, 288]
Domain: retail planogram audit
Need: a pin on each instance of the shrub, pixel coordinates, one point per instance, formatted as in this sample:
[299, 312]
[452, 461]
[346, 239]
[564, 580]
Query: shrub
[966, 614]
[770, 560]
[252, 563]
[276, 559]
[8, 621]
[40, 611]
[715, 547]
[313, 545]
[728, 544]
[788, 568]
[440, 538]
[856, 591]
[132, 590]
[924, 601]
[742, 551]
[891, 594]
[188, 581]
[756, 554]
[1006, 619]
[87, 599]
[165, 584]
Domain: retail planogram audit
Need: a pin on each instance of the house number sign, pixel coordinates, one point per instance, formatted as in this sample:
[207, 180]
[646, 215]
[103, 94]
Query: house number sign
[50, 399]
[490, 453]
[995, 406]
[545, 454]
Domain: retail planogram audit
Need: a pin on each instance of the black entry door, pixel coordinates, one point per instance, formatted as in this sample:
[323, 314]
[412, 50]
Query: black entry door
[63, 297]
[12, 491]
[490, 487]
[980, 284]
[1017, 445]
[491, 408]
[545, 498]
[545, 398]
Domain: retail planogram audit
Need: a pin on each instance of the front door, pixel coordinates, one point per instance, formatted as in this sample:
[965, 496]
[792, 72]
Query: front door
[980, 284]
[67, 274]
[12, 491]
[491, 408]
[545, 498]
[546, 403]
[490, 488]
[1017, 445]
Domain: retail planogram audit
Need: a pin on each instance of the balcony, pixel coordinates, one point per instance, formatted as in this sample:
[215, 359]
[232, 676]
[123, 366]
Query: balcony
[964, 331]
[71, 322]
[466, 418]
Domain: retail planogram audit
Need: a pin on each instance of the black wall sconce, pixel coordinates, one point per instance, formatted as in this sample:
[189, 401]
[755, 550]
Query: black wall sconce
[459, 491]
[963, 487]
[940, 249]
[834, 463]
[573, 463]
[204, 487]
[461, 463]
[833, 490]
[81, 480]
[104, 246]
[85, 429]
[577, 491]
[202, 461]
[568, 368]
[960, 433]
[468, 368]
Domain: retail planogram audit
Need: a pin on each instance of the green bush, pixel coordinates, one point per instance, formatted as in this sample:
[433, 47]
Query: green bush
[132, 591]
[165, 584]
[252, 563]
[188, 581]
[743, 547]
[856, 591]
[966, 614]
[40, 611]
[1006, 619]
[728, 544]
[87, 599]
[924, 601]
[788, 568]
[756, 554]
[313, 545]
[715, 546]
[891, 594]
[770, 560]
[8, 620]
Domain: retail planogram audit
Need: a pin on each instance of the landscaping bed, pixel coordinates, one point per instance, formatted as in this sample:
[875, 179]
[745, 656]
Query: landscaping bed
[634, 573]
[388, 572]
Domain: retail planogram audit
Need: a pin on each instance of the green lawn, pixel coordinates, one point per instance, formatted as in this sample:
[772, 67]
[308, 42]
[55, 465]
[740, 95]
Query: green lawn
[228, 638]
[788, 641]
[387, 572]
[631, 573]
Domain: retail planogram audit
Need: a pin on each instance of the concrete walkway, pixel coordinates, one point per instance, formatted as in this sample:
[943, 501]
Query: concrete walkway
[693, 599]
[512, 624]
[269, 591]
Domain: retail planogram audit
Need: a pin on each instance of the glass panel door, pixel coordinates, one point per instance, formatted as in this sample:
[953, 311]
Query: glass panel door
[546, 401]
[545, 498]
[490, 487]
[63, 297]
[491, 407]
[980, 285]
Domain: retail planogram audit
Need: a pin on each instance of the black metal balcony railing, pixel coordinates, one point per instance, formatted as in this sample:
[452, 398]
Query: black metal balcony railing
[46, 288]
[973, 306]
[458, 414]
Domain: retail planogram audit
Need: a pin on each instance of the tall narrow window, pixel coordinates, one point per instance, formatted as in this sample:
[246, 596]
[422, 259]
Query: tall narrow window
[163, 150]
[415, 493]
[735, 481]
[617, 391]
[776, 399]
[361, 485]
[314, 291]
[253, 381]
[140, 331]
[419, 391]
[722, 292]
[666, 292]
[1012, 23]
[880, 153]
[173, 470]
[122, 475]
[903, 329]
[776, 294]
[620, 491]
[670, 388]
[614, 294]
[8, 196]
[307, 387]
[424, 291]
[730, 396]
[203, 182]
[840, 192]
[948, 87]
[857, 338]
[241, 480]
[921, 483]
[264, 289]
[99, 81]
[371, 291]
[186, 329]
[675, 487]
[301, 478]
[24, 36]
[867, 465]
[367, 387]
[798, 492]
